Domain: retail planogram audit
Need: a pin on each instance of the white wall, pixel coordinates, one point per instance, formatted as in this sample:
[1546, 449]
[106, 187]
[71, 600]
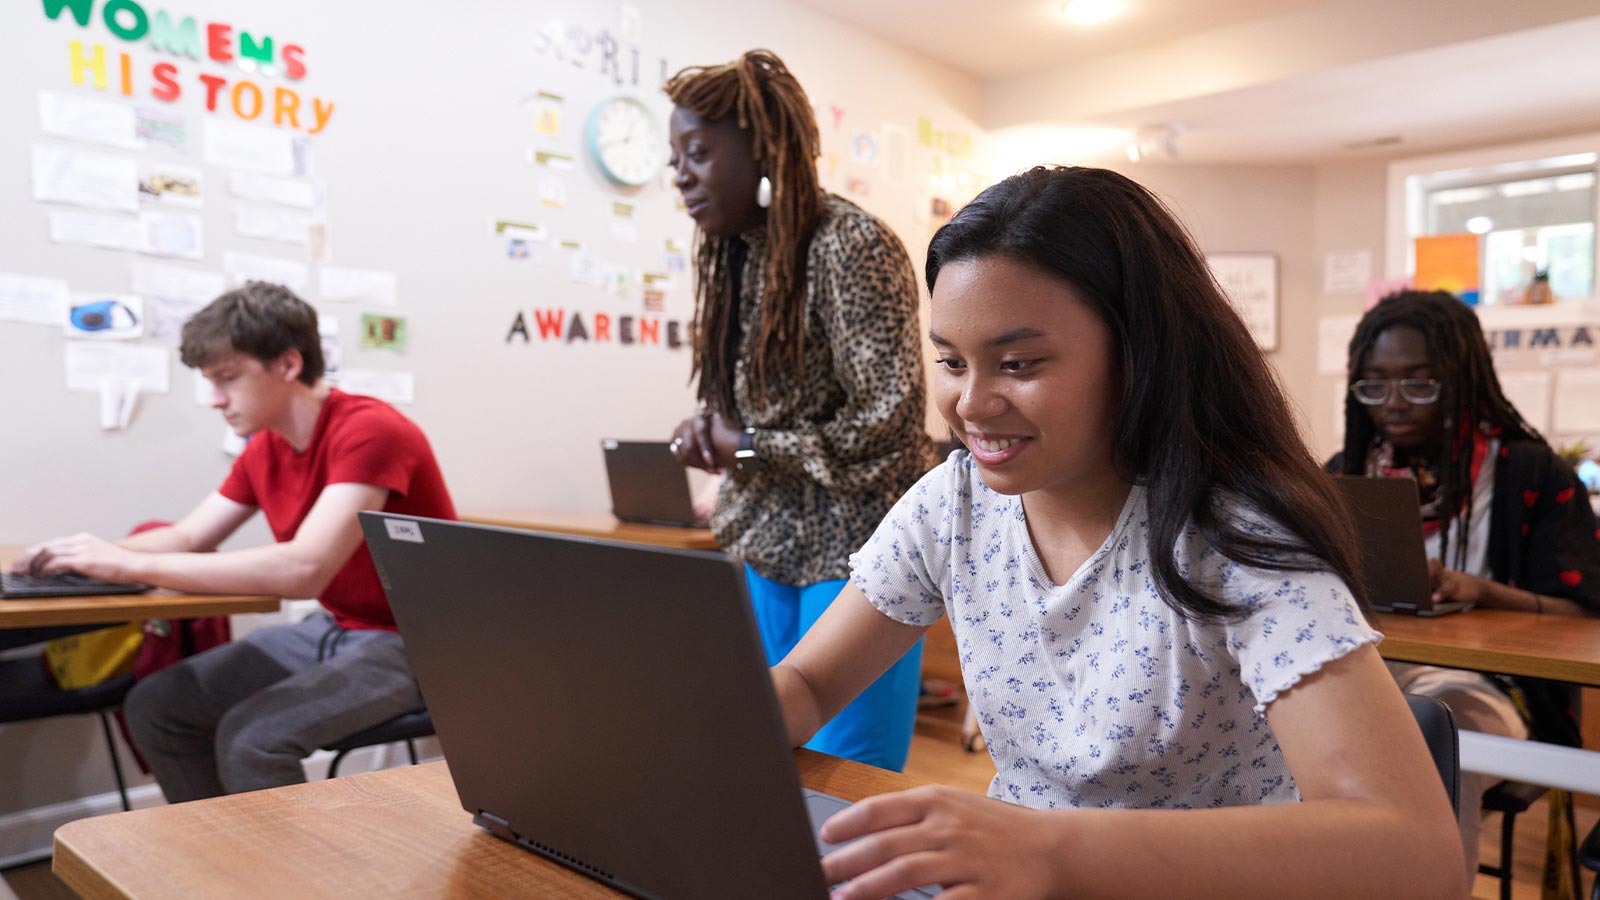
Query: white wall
[425, 146]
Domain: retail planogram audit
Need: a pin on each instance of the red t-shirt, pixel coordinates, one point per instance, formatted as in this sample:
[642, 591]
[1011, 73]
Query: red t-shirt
[358, 440]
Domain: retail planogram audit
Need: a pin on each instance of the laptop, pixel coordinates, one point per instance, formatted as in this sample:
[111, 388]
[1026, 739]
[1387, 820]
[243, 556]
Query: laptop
[62, 584]
[1388, 516]
[648, 484]
[606, 706]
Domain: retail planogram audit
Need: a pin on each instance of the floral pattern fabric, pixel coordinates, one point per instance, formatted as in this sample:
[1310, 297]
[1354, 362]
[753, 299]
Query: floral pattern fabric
[1096, 693]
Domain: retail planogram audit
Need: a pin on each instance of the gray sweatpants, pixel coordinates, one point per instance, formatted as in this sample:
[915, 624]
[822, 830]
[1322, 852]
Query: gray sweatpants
[241, 717]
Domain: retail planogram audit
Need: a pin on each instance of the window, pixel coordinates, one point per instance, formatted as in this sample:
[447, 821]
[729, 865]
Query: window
[1528, 225]
[1533, 206]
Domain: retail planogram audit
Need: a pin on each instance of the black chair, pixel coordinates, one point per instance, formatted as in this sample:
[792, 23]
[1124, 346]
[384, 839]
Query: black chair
[27, 692]
[407, 727]
[1510, 799]
[1589, 857]
[1439, 731]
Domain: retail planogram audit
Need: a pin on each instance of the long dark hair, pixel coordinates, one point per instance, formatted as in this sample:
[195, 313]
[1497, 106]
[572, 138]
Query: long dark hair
[1470, 397]
[769, 103]
[1201, 420]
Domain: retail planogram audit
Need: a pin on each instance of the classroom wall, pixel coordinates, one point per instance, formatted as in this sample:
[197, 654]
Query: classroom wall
[434, 115]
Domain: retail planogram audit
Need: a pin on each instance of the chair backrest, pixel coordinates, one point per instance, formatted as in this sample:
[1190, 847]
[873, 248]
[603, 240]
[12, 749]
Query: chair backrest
[1439, 731]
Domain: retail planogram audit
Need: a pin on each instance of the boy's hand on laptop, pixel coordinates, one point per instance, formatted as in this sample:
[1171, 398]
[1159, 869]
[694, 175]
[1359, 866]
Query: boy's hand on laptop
[84, 554]
[969, 844]
[1448, 584]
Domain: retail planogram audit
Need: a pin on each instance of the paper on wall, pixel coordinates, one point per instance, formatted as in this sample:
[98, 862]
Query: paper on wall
[89, 119]
[104, 317]
[84, 178]
[242, 267]
[119, 397]
[1346, 271]
[273, 223]
[153, 279]
[88, 363]
[261, 188]
[1529, 392]
[107, 230]
[37, 301]
[1333, 343]
[178, 235]
[172, 184]
[1577, 401]
[164, 317]
[163, 126]
[391, 387]
[254, 148]
[374, 288]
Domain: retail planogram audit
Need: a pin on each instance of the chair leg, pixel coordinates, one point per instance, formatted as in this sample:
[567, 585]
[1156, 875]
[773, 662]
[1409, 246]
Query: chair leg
[1572, 858]
[1508, 827]
[116, 764]
[411, 750]
[333, 767]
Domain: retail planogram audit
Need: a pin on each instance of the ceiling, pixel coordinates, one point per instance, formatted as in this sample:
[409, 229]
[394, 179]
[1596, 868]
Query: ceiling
[1264, 80]
[997, 38]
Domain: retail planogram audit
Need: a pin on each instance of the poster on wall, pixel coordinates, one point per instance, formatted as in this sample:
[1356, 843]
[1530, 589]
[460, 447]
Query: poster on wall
[83, 178]
[1250, 281]
[1448, 262]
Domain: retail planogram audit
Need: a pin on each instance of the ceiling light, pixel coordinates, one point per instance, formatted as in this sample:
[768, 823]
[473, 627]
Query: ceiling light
[1090, 12]
[1480, 224]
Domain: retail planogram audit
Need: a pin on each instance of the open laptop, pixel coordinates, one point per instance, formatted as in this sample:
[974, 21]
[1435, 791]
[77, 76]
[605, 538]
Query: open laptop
[62, 584]
[1389, 519]
[648, 484]
[606, 706]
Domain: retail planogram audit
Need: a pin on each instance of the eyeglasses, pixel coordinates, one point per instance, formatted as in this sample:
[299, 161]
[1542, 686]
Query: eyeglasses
[1378, 391]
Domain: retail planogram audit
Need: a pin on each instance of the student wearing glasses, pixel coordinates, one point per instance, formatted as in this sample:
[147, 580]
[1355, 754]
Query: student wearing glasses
[1507, 524]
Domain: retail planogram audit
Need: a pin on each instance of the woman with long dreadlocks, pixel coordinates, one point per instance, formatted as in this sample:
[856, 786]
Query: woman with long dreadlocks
[1507, 522]
[809, 371]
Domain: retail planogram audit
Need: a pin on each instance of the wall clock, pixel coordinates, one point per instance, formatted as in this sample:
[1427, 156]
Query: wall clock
[626, 141]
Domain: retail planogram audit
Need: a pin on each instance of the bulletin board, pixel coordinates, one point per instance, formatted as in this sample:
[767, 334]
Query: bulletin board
[441, 208]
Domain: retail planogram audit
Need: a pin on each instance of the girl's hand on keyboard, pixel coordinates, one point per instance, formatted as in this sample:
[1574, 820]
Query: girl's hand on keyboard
[971, 845]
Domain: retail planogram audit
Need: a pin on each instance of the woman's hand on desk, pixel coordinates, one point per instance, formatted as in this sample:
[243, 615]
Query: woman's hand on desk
[972, 845]
[84, 554]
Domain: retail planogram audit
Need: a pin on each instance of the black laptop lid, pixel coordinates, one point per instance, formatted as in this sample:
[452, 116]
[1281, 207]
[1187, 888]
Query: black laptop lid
[648, 484]
[610, 702]
[1388, 517]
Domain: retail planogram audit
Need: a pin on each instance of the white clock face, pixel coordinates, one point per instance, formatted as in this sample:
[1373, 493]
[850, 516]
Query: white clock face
[626, 141]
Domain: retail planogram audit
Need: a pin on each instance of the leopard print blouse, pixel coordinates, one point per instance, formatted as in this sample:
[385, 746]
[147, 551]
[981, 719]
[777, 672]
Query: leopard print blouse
[836, 450]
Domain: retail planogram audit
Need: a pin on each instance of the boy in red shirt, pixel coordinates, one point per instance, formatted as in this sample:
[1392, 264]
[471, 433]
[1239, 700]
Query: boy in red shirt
[241, 717]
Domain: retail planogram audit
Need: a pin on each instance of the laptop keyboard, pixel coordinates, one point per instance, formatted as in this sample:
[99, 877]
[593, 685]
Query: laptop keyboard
[61, 584]
[819, 807]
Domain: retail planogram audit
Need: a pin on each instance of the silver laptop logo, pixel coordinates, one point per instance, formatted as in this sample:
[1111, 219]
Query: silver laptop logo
[403, 531]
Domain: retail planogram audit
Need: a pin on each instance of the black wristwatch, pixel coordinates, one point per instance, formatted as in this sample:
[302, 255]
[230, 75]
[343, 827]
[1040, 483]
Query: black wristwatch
[746, 454]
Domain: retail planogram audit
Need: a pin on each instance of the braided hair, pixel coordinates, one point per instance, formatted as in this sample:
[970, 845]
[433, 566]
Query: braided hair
[1470, 396]
[769, 103]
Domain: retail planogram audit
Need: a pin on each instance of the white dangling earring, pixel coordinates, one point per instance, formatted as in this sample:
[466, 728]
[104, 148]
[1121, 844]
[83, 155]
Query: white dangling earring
[764, 192]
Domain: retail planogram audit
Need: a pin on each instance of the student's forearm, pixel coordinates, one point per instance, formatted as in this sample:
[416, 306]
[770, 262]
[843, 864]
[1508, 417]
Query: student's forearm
[165, 539]
[278, 569]
[801, 717]
[1504, 596]
[1329, 848]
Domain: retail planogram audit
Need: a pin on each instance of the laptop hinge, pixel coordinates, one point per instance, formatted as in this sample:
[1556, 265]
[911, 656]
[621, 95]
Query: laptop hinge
[495, 825]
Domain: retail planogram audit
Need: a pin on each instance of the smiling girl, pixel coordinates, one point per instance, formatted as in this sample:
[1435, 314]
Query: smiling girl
[1147, 578]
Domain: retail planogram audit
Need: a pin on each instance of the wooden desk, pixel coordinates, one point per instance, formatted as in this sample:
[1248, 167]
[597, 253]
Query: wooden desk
[397, 833]
[110, 610]
[1559, 648]
[597, 525]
